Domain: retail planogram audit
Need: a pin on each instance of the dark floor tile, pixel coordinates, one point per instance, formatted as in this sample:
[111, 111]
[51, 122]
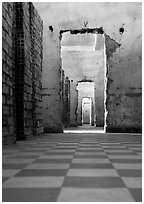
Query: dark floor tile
[94, 182]
[24, 156]
[126, 161]
[137, 151]
[137, 194]
[89, 146]
[65, 148]
[43, 146]
[88, 142]
[35, 150]
[91, 166]
[111, 145]
[129, 173]
[30, 195]
[39, 172]
[8, 153]
[91, 156]
[53, 161]
[59, 153]
[4, 179]
[90, 150]
[114, 148]
[121, 153]
[13, 166]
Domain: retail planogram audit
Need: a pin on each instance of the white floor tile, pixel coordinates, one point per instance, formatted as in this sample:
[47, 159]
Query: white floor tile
[127, 166]
[111, 147]
[17, 161]
[56, 157]
[88, 148]
[136, 148]
[48, 166]
[93, 172]
[91, 161]
[117, 151]
[94, 195]
[132, 182]
[34, 182]
[62, 150]
[10, 172]
[29, 153]
[124, 157]
[90, 153]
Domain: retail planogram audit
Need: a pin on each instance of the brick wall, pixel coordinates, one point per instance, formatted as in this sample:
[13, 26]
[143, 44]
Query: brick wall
[8, 100]
[19, 68]
[36, 53]
[25, 74]
[28, 74]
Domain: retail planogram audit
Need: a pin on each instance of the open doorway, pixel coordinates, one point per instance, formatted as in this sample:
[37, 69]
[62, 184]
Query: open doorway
[83, 61]
[86, 103]
[86, 111]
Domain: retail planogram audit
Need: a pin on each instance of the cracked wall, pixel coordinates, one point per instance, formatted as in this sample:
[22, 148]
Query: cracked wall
[124, 63]
[51, 79]
[124, 92]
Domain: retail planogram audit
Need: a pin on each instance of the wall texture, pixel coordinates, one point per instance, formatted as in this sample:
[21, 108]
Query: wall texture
[65, 93]
[22, 34]
[123, 62]
[124, 91]
[51, 82]
[8, 101]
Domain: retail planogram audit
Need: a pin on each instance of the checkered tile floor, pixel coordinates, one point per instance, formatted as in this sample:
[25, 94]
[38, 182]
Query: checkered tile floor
[73, 167]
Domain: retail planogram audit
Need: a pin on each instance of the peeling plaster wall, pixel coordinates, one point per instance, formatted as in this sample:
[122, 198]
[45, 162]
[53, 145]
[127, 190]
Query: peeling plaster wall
[124, 92]
[51, 78]
[124, 65]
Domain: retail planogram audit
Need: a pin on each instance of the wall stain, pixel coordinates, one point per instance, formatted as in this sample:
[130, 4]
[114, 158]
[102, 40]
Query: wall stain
[111, 46]
[133, 94]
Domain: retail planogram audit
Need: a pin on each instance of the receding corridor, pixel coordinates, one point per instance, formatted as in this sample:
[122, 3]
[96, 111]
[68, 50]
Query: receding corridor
[73, 168]
[71, 102]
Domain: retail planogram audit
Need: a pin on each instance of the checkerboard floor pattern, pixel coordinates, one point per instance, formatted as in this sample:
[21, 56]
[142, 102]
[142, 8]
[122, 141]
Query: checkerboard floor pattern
[74, 168]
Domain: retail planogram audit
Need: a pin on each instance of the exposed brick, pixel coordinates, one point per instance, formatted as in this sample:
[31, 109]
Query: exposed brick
[10, 121]
[22, 70]
[5, 110]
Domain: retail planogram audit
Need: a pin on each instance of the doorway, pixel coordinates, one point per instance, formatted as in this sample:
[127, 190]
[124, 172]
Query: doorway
[86, 103]
[84, 63]
[86, 110]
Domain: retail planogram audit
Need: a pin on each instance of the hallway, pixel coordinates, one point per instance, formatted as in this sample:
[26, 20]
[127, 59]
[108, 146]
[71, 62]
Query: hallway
[68, 67]
[74, 168]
